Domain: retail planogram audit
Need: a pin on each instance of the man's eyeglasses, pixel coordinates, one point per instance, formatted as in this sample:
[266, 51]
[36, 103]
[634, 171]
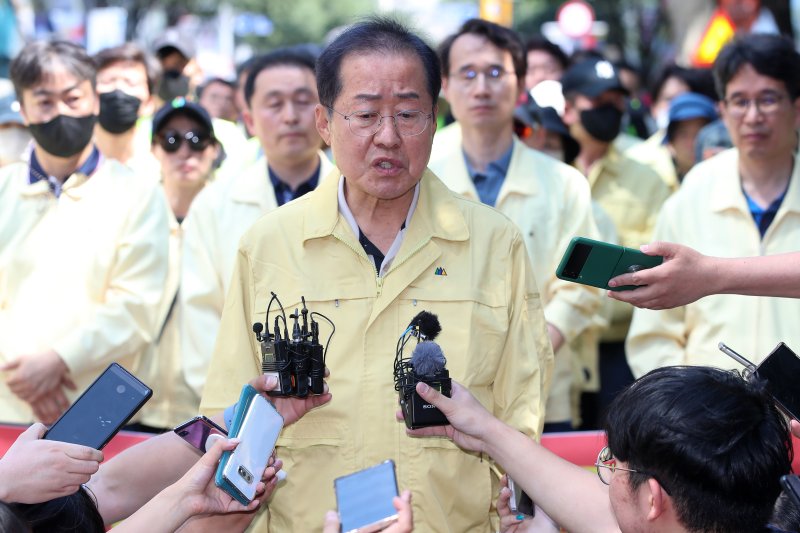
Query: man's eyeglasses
[367, 123]
[492, 75]
[767, 104]
[606, 465]
[171, 141]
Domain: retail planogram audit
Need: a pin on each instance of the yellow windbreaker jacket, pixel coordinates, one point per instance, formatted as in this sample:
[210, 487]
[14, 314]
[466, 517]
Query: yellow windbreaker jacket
[460, 260]
[709, 213]
[550, 203]
[82, 274]
[219, 216]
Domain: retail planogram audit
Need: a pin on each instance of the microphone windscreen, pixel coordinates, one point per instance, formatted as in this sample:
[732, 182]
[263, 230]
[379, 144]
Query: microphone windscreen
[428, 324]
[427, 358]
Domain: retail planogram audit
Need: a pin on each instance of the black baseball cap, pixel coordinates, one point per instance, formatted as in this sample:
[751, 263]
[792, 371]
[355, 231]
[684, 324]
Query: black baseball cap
[171, 41]
[591, 77]
[181, 106]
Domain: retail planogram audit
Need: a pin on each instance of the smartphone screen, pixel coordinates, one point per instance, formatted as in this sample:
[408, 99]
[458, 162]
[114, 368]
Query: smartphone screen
[197, 430]
[781, 370]
[364, 498]
[102, 409]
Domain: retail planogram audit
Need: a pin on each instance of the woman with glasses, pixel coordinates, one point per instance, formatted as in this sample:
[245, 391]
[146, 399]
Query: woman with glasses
[186, 148]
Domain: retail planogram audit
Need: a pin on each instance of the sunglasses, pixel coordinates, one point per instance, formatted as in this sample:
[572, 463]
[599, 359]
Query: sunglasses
[171, 141]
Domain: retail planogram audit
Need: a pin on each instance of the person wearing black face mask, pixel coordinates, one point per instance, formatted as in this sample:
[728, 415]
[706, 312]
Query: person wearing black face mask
[126, 79]
[176, 57]
[82, 240]
[629, 192]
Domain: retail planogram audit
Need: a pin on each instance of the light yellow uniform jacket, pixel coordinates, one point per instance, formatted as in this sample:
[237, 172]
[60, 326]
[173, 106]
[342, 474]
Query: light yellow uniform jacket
[219, 216]
[82, 274]
[632, 195]
[550, 203]
[654, 153]
[709, 213]
[161, 367]
[493, 335]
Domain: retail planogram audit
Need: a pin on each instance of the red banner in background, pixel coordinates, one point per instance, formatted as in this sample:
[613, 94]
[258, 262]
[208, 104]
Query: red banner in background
[578, 447]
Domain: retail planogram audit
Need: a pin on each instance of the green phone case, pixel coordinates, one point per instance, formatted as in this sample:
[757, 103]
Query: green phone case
[594, 263]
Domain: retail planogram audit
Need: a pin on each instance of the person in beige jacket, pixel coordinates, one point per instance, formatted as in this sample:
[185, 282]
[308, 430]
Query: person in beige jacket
[186, 148]
[281, 93]
[83, 244]
[742, 202]
[483, 67]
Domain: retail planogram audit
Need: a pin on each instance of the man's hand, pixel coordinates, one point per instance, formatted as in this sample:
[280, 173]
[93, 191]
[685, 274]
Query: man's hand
[48, 408]
[35, 470]
[36, 375]
[684, 277]
[405, 517]
[469, 420]
[291, 409]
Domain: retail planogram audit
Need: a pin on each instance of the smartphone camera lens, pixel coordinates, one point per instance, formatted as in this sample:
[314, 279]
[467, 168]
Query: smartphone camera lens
[120, 389]
[247, 476]
[183, 433]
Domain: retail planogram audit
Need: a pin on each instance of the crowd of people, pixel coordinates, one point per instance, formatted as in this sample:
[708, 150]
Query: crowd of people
[149, 215]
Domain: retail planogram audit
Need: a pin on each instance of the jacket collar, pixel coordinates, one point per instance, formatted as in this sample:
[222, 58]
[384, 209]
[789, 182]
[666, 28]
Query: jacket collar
[437, 213]
[727, 191]
[255, 187]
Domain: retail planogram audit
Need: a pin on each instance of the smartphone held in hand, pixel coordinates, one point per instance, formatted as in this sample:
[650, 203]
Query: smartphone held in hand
[365, 498]
[99, 413]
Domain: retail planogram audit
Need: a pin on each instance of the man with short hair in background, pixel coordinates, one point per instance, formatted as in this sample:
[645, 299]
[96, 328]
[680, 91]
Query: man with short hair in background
[742, 202]
[483, 65]
[281, 93]
[83, 244]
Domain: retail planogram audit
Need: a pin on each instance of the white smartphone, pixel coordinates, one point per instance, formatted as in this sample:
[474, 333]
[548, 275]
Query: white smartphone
[364, 498]
[241, 471]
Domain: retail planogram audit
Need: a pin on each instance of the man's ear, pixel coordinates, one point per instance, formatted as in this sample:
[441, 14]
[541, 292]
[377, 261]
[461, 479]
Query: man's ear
[247, 118]
[658, 499]
[323, 121]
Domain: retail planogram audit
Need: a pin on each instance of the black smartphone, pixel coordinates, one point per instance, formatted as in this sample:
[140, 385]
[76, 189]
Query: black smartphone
[520, 502]
[99, 413]
[781, 371]
[196, 431]
[364, 498]
[791, 486]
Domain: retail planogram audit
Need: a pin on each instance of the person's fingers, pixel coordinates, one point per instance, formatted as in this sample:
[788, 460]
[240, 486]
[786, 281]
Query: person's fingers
[327, 371]
[432, 395]
[504, 480]
[82, 468]
[331, 522]
[34, 432]
[795, 427]
[402, 504]
[322, 399]
[10, 365]
[67, 382]
[212, 456]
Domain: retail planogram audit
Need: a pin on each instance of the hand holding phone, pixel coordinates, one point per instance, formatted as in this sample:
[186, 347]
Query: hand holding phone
[196, 431]
[99, 413]
[520, 502]
[257, 425]
[594, 263]
[364, 498]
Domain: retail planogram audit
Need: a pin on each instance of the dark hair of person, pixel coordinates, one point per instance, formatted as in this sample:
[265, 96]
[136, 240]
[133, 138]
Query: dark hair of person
[67, 514]
[541, 44]
[699, 80]
[212, 81]
[375, 35]
[10, 521]
[500, 36]
[770, 55]
[786, 515]
[715, 442]
[130, 53]
[39, 58]
[283, 57]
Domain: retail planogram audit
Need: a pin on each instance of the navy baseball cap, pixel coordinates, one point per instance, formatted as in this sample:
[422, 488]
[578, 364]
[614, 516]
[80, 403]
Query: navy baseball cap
[181, 106]
[591, 78]
[688, 106]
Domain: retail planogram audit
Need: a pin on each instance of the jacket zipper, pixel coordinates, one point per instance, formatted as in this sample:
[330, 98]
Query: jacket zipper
[360, 252]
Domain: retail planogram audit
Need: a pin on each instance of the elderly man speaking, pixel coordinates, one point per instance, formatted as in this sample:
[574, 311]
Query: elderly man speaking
[379, 240]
